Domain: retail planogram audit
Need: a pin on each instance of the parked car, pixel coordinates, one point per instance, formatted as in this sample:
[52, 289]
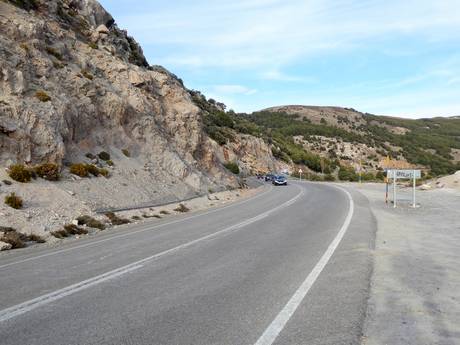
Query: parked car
[279, 180]
[269, 177]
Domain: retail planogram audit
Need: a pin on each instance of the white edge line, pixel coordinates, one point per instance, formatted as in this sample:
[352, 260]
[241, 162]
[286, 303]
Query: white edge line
[280, 321]
[149, 228]
[29, 305]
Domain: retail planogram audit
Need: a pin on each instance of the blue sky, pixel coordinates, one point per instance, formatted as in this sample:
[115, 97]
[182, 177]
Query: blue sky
[393, 57]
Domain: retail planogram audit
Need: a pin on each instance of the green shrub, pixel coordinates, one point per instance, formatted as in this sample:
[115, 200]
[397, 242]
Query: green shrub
[90, 156]
[93, 45]
[182, 208]
[14, 201]
[92, 169]
[115, 220]
[20, 173]
[90, 222]
[7, 182]
[110, 163]
[233, 167]
[348, 174]
[79, 169]
[329, 177]
[164, 212]
[72, 229]
[42, 96]
[48, 171]
[136, 217]
[126, 152]
[104, 156]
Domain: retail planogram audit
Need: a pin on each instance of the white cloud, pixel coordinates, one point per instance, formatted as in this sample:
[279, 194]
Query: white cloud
[233, 89]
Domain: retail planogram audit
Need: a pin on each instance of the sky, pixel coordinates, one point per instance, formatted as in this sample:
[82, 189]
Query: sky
[386, 57]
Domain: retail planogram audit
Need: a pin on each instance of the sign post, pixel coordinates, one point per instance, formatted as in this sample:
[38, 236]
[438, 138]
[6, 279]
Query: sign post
[394, 192]
[300, 173]
[404, 174]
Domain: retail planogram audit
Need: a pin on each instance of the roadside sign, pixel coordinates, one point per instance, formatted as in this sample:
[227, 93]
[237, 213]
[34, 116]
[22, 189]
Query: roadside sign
[300, 173]
[404, 174]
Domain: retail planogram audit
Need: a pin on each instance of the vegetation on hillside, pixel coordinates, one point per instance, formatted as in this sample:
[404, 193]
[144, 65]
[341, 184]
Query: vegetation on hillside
[427, 142]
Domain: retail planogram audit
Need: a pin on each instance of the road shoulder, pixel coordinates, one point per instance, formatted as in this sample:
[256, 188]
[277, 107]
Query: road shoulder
[414, 286]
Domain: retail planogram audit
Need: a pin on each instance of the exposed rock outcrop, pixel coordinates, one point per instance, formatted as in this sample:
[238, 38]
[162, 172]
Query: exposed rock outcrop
[72, 82]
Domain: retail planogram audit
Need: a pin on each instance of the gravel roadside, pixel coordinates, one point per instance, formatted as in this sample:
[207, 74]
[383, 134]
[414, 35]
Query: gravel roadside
[415, 288]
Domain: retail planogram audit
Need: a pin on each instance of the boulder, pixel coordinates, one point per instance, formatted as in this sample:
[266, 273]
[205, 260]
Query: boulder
[102, 29]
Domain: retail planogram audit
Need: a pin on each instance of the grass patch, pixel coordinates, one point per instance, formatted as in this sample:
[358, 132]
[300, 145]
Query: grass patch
[90, 222]
[84, 170]
[115, 220]
[164, 212]
[233, 167]
[20, 173]
[14, 201]
[79, 169]
[48, 171]
[182, 208]
[42, 96]
[136, 217]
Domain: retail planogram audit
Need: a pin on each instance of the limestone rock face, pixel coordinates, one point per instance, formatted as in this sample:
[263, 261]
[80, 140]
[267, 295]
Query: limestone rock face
[72, 82]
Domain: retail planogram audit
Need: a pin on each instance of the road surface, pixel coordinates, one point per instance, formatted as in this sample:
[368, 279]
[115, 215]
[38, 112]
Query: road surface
[288, 266]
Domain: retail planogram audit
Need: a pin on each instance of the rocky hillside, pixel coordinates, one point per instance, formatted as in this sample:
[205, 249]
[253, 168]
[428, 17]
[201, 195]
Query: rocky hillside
[73, 83]
[89, 124]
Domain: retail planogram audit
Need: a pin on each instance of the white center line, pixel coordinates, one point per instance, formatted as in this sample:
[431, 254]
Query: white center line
[32, 304]
[278, 324]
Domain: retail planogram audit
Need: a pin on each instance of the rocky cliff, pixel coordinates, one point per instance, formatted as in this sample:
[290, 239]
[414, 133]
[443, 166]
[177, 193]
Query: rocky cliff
[73, 83]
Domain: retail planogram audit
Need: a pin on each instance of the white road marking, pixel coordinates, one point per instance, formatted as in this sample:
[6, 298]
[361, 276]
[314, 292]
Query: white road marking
[278, 324]
[32, 304]
[148, 228]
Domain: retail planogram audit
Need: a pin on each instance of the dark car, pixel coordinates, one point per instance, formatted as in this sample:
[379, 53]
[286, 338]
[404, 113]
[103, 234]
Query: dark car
[269, 177]
[279, 180]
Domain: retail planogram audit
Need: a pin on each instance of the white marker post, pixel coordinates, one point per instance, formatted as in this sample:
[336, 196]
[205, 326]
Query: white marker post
[394, 191]
[413, 190]
[300, 173]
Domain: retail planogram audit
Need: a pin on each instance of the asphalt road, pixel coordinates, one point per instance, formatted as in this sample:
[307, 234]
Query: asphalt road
[288, 266]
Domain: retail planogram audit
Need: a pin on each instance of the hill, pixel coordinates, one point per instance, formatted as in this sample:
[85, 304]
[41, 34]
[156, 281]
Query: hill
[432, 144]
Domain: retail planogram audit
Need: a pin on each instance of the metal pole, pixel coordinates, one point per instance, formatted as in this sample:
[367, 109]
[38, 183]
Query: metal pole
[413, 190]
[394, 191]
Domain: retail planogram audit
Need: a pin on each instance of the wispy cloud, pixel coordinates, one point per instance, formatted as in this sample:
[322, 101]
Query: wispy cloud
[233, 89]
